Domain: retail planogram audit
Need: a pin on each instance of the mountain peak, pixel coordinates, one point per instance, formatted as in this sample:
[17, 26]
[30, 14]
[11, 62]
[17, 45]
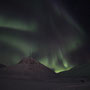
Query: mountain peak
[29, 68]
[28, 61]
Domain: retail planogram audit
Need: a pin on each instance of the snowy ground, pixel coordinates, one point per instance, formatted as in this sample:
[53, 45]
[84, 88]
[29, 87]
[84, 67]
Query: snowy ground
[24, 84]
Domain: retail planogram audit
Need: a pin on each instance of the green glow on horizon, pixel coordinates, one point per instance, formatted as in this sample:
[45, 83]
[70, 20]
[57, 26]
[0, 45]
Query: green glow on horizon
[54, 63]
[71, 46]
[18, 24]
[62, 69]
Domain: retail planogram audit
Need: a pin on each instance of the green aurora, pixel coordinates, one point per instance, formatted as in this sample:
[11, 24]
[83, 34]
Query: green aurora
[17, 47]
[9, 22]
[28, 48]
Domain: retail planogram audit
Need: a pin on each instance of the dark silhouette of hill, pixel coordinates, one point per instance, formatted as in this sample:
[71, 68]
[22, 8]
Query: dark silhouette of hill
[77, 71]
[2, 66]
[28, 68]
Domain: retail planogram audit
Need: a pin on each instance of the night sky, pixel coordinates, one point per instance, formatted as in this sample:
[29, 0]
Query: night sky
[54, 32]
